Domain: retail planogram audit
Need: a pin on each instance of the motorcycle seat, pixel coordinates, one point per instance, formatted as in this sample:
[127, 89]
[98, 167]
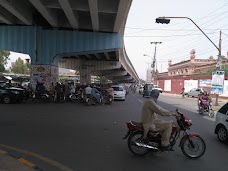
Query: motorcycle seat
[139, 124]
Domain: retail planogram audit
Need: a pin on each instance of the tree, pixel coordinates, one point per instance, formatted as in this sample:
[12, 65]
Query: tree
[4, 56]
[225, 68]
[19, 67]
[213, 69]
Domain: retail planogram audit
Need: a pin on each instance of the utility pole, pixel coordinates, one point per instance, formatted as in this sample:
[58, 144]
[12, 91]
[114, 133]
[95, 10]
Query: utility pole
[219, 63]
[154, 60]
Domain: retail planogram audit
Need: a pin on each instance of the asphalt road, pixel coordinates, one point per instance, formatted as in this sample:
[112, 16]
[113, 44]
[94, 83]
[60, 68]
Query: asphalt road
[72, 136]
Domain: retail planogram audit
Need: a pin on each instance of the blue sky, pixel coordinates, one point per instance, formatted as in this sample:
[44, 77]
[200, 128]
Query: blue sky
[178, 37]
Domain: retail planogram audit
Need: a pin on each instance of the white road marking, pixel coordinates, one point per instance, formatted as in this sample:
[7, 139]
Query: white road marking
[140, 101]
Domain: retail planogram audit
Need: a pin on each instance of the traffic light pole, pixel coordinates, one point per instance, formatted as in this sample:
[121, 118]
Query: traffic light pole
[218, 48]
[196, 26]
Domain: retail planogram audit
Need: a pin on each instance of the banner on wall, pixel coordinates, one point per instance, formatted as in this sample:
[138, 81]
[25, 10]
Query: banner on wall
[205, 83]
[190, 84]
[167, 86]
[217, 82]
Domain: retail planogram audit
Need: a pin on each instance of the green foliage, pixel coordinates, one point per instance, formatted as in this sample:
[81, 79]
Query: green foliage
[209, 71]
[19, 67]
[4, 56]
[224, 68]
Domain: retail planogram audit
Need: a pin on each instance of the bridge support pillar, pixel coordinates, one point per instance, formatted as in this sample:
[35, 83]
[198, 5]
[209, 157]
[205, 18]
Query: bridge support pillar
[85, 77]
[46, 74]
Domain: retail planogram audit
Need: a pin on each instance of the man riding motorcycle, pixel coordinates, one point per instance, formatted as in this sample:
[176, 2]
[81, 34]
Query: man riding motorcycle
[150, 120]
[204, 99]
[96, 94]
[110, 91]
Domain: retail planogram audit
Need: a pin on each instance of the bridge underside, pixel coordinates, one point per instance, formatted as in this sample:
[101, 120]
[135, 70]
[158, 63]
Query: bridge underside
[88, 33]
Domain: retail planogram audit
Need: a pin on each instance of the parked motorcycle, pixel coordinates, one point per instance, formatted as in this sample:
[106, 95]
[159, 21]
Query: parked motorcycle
[191, 144]
[207, 107]
[44, 97]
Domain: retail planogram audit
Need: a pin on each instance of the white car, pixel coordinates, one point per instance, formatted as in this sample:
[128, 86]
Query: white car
[141, 89]
[119, 92]
[221, 123]
[158, 88]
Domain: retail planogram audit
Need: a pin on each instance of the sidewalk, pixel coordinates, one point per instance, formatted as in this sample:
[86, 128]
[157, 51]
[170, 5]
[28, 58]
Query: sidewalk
[10, 163]
[221, 100]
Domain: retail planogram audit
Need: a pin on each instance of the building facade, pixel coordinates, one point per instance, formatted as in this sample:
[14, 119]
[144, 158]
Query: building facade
[188, 74]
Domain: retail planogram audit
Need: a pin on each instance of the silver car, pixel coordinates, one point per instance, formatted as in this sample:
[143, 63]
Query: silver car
[194, 92]
[221, 123]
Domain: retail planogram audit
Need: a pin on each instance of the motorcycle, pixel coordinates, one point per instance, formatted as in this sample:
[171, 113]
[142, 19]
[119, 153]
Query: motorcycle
[73, 97]
[91, 100]
[107, 98]
[207, 107]
[44, 97]
[191, 144]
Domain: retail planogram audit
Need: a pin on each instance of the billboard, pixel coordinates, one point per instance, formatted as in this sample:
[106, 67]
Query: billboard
[217, 82]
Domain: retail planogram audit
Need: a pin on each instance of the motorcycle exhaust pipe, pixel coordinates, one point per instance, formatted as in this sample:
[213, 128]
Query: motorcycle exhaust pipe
[146, 146]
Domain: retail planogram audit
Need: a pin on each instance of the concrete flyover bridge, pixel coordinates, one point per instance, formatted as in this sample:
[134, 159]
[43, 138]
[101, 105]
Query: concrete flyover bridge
[84, 35]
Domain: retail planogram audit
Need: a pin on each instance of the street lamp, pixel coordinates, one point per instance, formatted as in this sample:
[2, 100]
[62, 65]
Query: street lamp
[166, 20]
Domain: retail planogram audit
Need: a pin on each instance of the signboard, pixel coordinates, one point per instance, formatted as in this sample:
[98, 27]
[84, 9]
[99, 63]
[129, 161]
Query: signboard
[217, 82]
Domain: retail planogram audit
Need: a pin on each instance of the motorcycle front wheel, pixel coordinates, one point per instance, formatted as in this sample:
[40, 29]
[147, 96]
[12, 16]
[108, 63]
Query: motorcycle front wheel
[211, 113]
[73, 98]
[135, 149]
[194, 147]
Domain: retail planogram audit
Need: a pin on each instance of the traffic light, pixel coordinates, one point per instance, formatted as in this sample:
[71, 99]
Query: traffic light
[162, 20]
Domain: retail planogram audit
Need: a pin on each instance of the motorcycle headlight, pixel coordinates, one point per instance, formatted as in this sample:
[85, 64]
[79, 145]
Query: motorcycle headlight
[15, 92]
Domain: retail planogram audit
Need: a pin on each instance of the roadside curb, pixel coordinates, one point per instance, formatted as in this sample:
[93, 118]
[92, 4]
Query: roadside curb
[221, 99]
[21, 160]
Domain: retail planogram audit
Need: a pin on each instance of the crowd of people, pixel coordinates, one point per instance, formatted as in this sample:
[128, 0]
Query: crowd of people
[62, 91]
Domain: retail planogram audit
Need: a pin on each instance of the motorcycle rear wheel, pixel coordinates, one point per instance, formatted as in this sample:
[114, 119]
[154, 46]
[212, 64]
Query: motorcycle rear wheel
[139, 151]
[194, 147]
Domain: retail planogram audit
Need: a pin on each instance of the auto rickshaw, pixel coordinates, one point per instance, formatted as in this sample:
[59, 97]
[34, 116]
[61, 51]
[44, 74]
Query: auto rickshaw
[147, 90]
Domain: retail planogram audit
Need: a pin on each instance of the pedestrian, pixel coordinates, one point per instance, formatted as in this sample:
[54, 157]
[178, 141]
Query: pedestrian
[182, 92]
[59, 92]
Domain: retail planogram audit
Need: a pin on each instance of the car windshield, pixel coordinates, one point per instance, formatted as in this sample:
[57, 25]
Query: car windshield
[118, 88]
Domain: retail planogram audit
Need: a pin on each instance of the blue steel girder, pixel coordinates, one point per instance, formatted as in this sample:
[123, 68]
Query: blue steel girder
[48, 46]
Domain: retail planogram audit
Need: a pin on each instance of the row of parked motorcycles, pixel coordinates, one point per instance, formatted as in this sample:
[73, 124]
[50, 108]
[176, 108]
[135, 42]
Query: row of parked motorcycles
[73, 97]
